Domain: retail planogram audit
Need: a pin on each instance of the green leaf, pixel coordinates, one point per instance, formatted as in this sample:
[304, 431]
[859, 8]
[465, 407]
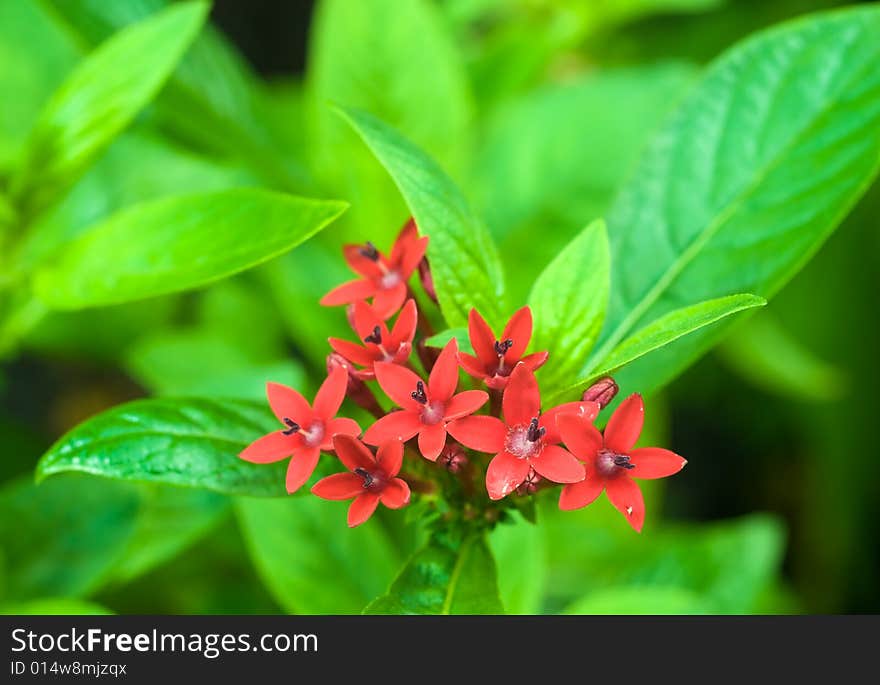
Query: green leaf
[61, 606]
[178, 243]
[446, 576]
[464, 261]
[100, 98]
[309, 560]
[419, 87]
[751, 174]
[568, 304]
[518, 548]
[63, 538]
[177, 442]
[460, 334]
[653, 600]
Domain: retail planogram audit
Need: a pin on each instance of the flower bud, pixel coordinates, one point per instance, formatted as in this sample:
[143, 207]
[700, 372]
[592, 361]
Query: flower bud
[349, 315]
[601, 392]
[453, 457]
[427, 279]
[530, 484]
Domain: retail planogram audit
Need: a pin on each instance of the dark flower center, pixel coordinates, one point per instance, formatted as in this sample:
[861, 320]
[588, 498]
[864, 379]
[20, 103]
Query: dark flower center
[502, 346]
[374, 481]
[375, 337]
[534, 433]
[369, 251]
[610, 463]
[292, 426]
[419, 394]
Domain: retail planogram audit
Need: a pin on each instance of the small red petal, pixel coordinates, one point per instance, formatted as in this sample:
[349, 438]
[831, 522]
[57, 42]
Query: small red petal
[398, 425]
[353, 352]
[654, 462]
[626, 496]
[480, 433]
[522, 399]
[398, 383]
[360, 264]
[444, 376]
[387, 302]
[432, 440]
[331, 393]
[625, 425]
[341, 426]
[362, 508]
[396, 494]
[270, 448]
[353, 453]
[558, 465]
[404, 241]
[405, 327]
[577, 495]
[339, 486]
[519, 330]
[535, 360]
[301, 468]
[389, 457]
[482, 339]
[288, 403]
[580, 436]
[365, 320]
[349, 292]
[413, 256]
[471, 365]
[504, 474]
[465, 403]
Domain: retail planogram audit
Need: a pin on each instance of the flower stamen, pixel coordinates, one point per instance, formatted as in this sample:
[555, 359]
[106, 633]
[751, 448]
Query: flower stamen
[419, 394]
[534, 433]
[292, 426]
[375, 337]
[369, 251]
[502, 346]
[622, 460]
[366, 475]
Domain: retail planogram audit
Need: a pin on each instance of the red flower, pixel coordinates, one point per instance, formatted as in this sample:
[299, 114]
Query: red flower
[308, 430]
[497, 357]
[525, 440]
[370, 479]
[426, 409]
[383, 279]
[380, 345]
[612, 463]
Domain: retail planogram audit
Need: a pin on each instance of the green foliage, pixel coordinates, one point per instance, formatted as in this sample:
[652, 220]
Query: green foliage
[340, 575]
[148, 250]
[63, 606]
[99, 99]
[447, 576]
[464, 262]
[521, 557]
[177, 442]
[460, 334]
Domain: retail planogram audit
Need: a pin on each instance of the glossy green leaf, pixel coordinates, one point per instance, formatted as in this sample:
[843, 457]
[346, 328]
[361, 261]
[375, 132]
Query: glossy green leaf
[639, 600]
[568, 304]
[62, 606]
[464, 261]
[752, 172]
[100, 98]
[518, 548]
[460, 334]
[177, 442]
[178, 243]
[447, 576]
[419, 87]
[310, 561]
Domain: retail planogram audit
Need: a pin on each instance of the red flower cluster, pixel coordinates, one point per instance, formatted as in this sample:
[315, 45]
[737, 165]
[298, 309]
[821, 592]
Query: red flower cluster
[532, 448]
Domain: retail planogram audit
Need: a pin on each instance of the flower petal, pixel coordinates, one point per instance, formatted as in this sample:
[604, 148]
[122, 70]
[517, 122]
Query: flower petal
[578, 495]
[408, 249]
[580, 436]
[288, 403]
[405, 327]
[404, 241]
[480, 433]
[519, 330]
[387, 301]
[504, 474]
[272, 447]
[654, 462]
[353, 453]
[396, 494]
[535, 360]
[365, 319]
[444, 376]
[625, 424]
[471, 365]
[550, 419]
[340, 426]
[353, 352]
[348, 292]
[432, 440]
[398, 383]
[522, 400]
[362, 508]
[389, 457]
[331, 393]
[465, 403]
[339, 486]
[360, 264]
[558, 465]
[398, 425]
[301, 468]
[626, 496]
[482, 339]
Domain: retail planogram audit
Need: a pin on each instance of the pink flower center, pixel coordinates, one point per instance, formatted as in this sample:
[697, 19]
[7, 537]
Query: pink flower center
[610, 463]
[313, 436]
[433, 412]
[525, 442]
[390, 279]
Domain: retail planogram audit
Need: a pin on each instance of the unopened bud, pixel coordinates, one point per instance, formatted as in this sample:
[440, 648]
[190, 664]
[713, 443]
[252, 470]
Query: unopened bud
[601, 392]
[349, 315]
[530, 484]
[427, 279]
[453, 458]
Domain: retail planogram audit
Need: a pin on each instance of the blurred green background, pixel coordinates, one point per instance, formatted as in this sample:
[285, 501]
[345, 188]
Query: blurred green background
[779, 507]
